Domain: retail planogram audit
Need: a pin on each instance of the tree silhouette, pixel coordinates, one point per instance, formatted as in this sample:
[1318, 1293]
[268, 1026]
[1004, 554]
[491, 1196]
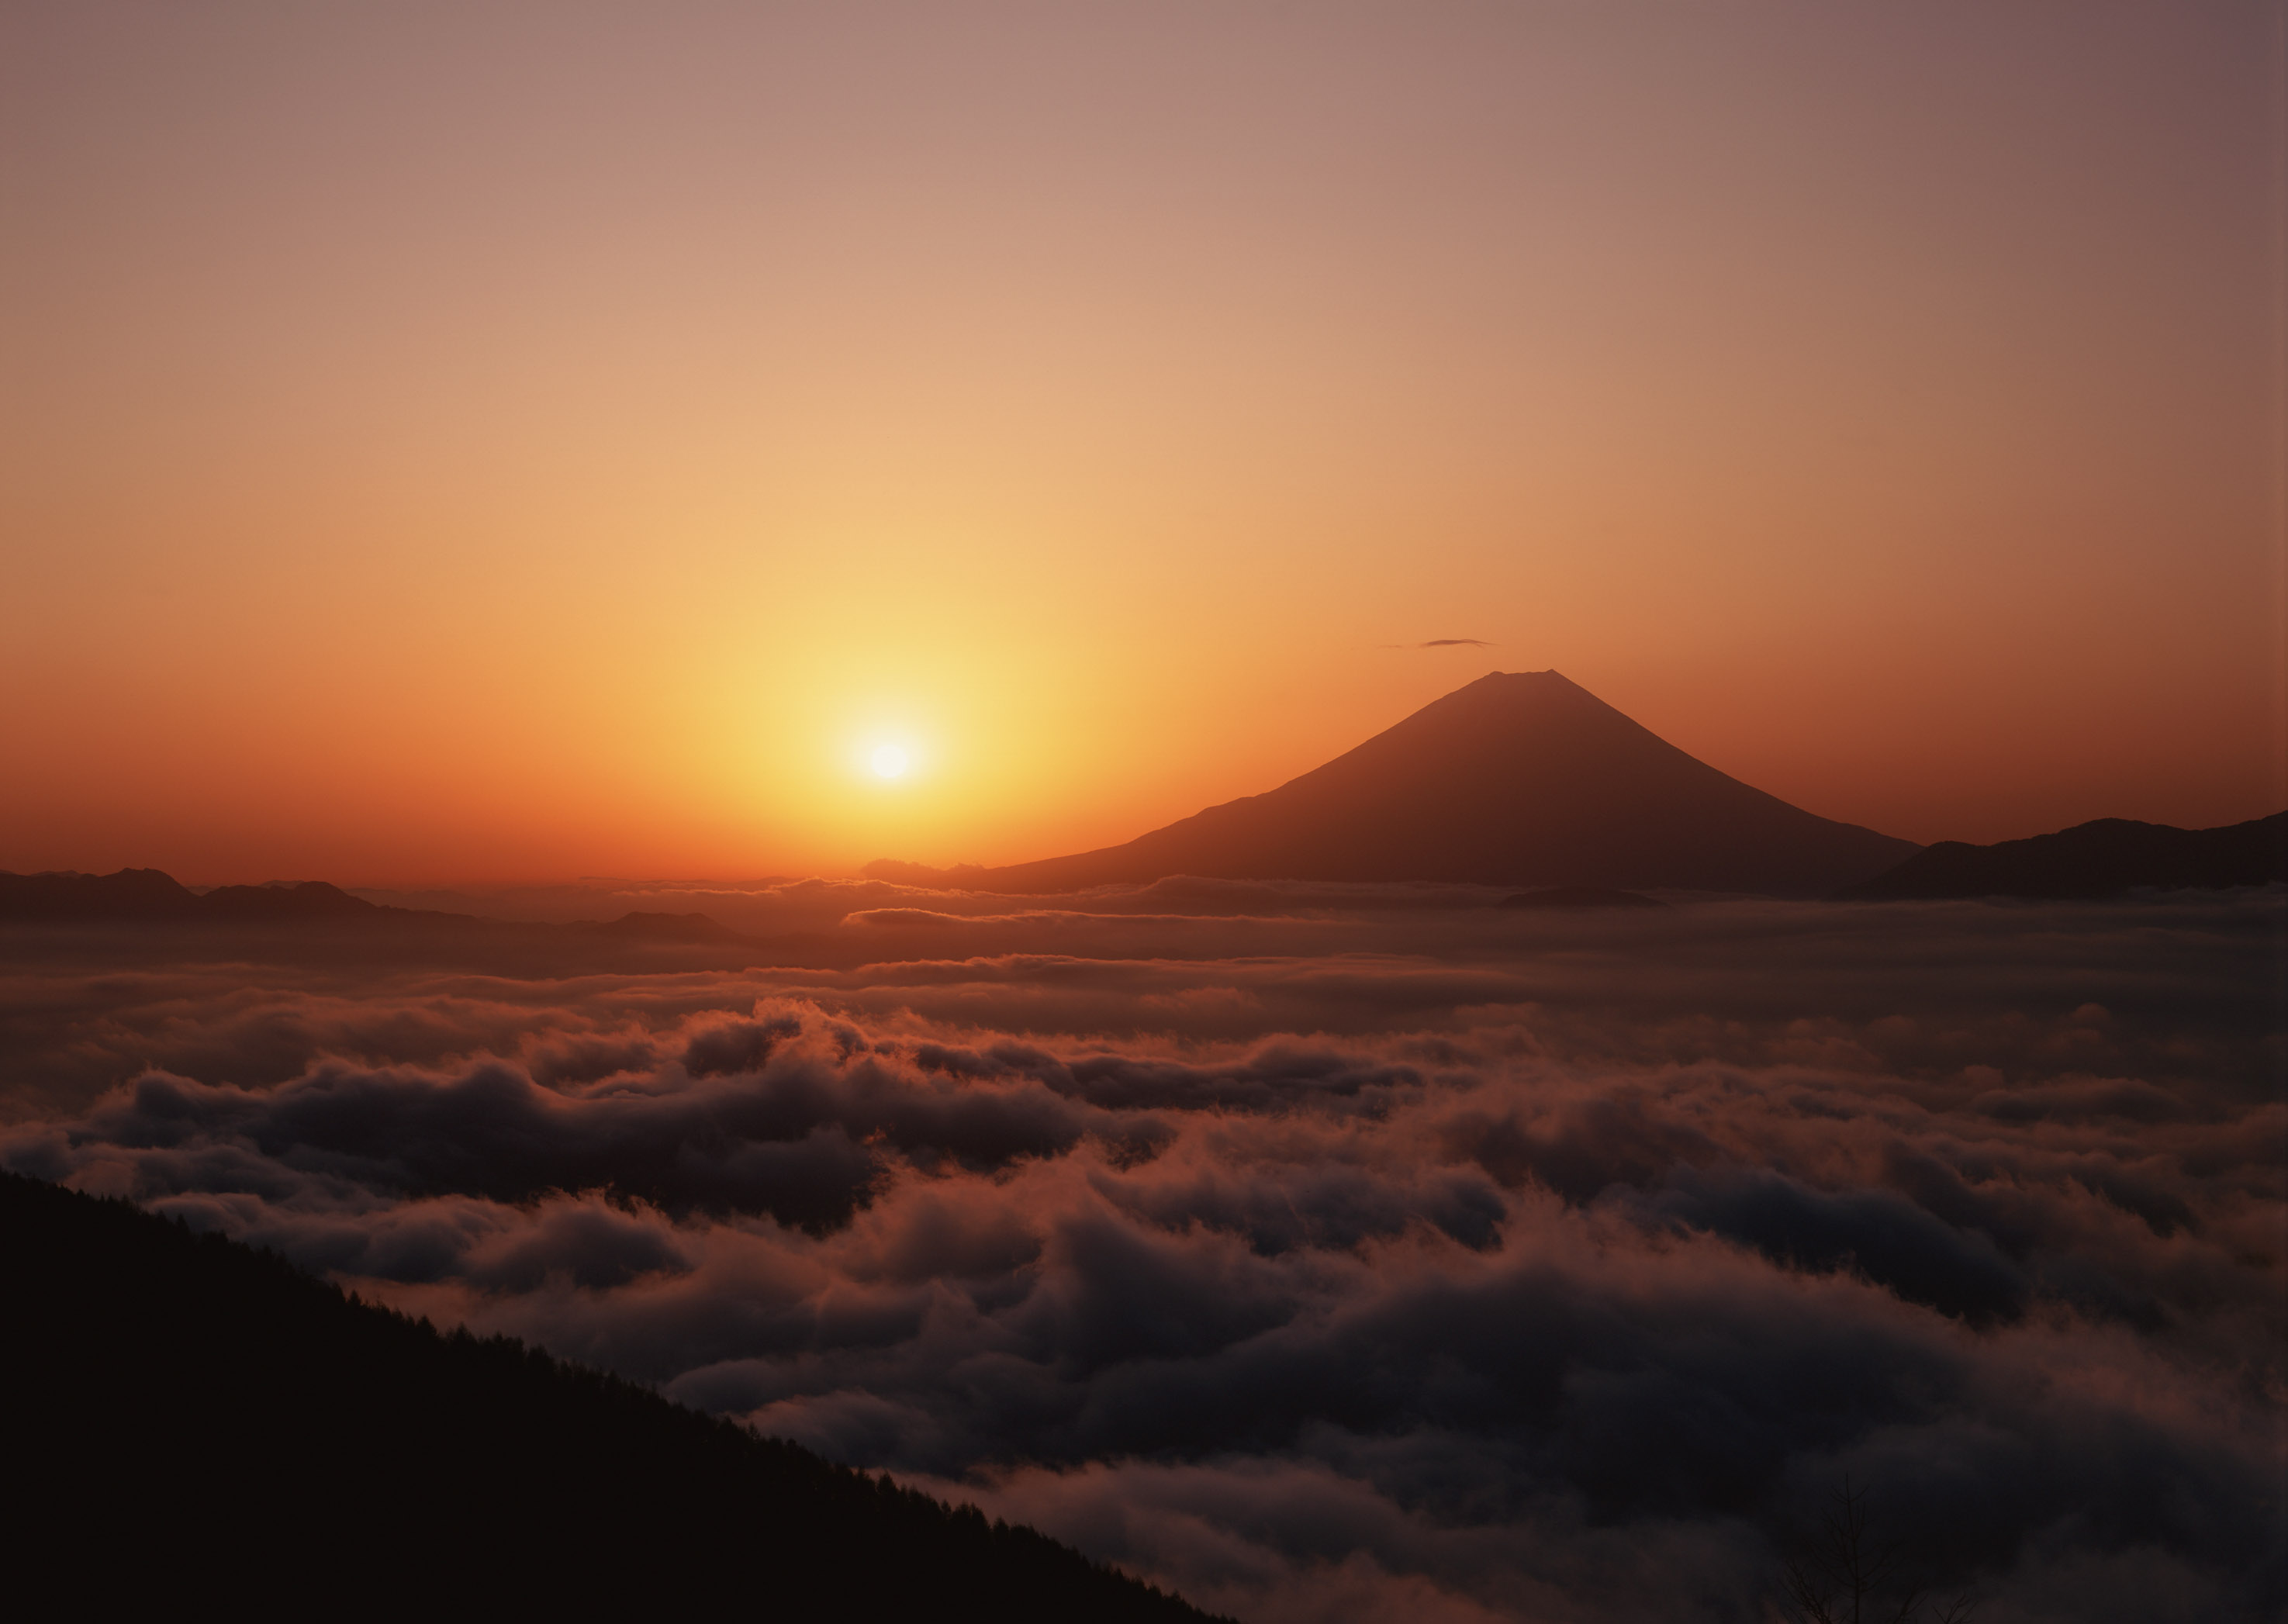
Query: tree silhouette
[1842, 1577]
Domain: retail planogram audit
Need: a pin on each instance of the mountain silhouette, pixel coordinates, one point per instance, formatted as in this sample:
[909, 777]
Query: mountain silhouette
[1519, 779]
[2092, 860]
[145, 896]
[146, 893]
[186, 1416]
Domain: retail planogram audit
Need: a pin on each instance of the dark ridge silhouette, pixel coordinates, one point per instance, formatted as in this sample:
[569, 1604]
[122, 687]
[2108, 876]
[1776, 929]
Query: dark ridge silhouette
[2092, 860]
[305, 900]
[1519, 779]
[145, 894]
[131, 893]
[188, 1418]
[1571, 896]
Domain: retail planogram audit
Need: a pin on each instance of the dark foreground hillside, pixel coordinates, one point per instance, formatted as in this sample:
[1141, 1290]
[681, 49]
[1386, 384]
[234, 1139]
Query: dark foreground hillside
[189, 1421]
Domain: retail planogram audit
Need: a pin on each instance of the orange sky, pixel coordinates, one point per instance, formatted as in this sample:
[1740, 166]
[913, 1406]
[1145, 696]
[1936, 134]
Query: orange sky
[509, 442]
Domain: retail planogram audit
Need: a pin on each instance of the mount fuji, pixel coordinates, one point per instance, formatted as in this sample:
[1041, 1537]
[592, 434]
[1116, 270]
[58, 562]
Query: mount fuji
[1519, 779]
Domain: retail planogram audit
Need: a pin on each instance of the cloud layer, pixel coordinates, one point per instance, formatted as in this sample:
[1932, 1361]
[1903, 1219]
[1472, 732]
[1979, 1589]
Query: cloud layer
[1331, 1257]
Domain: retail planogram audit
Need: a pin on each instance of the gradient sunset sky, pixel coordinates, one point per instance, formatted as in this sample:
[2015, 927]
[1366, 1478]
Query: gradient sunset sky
[515, 441]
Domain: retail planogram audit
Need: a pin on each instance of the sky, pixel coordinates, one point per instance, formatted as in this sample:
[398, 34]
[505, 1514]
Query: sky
[509, 442]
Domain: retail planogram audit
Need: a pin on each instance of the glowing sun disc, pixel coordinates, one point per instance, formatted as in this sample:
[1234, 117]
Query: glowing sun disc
[889, 761]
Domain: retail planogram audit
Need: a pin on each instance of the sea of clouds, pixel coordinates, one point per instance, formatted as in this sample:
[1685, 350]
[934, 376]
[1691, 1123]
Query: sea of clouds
[1326, 1253]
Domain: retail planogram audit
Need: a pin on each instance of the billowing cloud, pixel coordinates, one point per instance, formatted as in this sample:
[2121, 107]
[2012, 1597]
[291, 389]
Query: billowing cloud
[1332, 1257]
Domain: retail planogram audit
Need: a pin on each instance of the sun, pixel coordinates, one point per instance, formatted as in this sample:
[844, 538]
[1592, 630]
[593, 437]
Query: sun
[891, 761]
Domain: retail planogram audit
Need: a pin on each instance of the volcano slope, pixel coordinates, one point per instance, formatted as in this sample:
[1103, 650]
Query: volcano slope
[1519, 779]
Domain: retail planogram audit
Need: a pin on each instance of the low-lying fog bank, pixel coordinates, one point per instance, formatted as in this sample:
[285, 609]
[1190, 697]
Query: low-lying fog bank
[1328, 1252]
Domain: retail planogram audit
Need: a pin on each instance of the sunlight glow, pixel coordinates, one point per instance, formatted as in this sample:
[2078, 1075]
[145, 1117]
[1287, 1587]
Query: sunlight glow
[889, 761]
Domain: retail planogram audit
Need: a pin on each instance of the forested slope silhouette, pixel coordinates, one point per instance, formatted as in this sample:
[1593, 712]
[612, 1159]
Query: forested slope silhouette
[189, 1419]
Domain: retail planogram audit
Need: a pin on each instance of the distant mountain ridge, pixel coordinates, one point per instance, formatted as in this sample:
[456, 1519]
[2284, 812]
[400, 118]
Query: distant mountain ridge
[2098, 858]
[1518, 778]
[146, 893]
[149, 895]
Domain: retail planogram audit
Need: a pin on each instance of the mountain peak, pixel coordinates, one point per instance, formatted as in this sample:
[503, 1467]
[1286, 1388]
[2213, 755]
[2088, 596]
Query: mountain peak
[1521, 683]
[1518, 778]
